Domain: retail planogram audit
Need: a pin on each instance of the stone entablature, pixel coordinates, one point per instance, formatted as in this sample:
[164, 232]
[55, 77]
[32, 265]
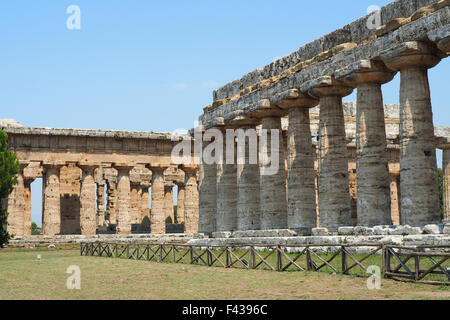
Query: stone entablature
[400, 21]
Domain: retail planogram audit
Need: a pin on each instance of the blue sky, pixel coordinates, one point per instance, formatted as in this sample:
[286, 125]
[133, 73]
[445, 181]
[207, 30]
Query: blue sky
[152, 65]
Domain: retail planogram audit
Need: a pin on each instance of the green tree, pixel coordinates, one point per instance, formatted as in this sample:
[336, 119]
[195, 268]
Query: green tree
[441, 193]
[9, 168]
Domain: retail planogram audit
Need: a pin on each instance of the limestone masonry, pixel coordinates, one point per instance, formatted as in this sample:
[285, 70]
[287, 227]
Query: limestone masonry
[347, 169]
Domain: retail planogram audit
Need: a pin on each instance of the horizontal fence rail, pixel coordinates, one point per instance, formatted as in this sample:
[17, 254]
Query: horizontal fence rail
[393, 262]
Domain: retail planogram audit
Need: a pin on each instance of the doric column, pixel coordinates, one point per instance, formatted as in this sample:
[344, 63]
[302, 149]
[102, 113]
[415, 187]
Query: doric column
[51, 212]
[16, 206]
[273, 182]
[302, 215]
[180, 203]
[395, 199]
[123, 210]
[446, 183]
[145, 205]
[373, 194]
[88, 213]
[169, 215]
[207, 197]
[100, 204]
[135, 203]
[191, 203]
[248, 213]
[226, 214]
[157, 216]
[334, 196]
[27, 220]
[111, 201]
[418, 168]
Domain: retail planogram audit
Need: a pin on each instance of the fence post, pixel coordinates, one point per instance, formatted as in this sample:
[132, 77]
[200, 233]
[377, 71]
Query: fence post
[417, 267]
[160, 252]
[191, 253]
[279, 262]
[308, 260]
[251, 258]
[227, 257]
[344, 261]
[128, 251]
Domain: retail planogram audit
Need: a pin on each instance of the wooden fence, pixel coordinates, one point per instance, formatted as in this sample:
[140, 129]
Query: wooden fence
[338, 259]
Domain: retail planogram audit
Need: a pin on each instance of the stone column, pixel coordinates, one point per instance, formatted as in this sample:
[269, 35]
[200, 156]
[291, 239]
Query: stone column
[446, 183]
[248, 212]
[111, 201]
[123, 210]
[373, 194]
[191, 201]
[145, 204]
[207, 196]
[302, 215]
[51, 201]
[16, 206]
[395, 199]
[27, 220]
[88, 213]
[226, 214]
[180, 203]
[135, 203]
[273, 185]
[169, 215]
[100, 204]
[334, 194]
[418, 168]
[157, 216]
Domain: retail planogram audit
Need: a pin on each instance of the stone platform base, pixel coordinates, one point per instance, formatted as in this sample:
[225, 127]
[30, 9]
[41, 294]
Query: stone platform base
[119, 238]
[409, 240]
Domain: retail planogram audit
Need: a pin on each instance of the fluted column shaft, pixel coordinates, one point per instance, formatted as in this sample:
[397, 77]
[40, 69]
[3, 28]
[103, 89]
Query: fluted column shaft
[100, 204]
[123, 210]
[168, 201]
[446, 183]
[180, 203]
[418, 168]
[226, 214]
[111, 202]
[334, 192]
[207, 197]
[395, 199]
[248, 210]
[302, 214]
[16, 207]
[157, 217]
[51, 212]
[27, 220]
[88, 220]
[273, 186]
[135, 203]
[191, 204]
[373, 191]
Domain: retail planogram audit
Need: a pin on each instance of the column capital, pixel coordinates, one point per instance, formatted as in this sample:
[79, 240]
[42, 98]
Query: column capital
[53, 164]
[241, 119]
[158, 167]
[326, 86]
[123, 166]
[411, 54]
[265, 108]
[88, 165]
[293, 98]
[189, 169]
[365, 71]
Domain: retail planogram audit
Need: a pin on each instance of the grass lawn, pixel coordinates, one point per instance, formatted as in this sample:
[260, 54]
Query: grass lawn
[23, 276]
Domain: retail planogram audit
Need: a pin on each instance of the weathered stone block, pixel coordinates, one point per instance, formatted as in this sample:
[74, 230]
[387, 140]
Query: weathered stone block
[431, 229]
[320, 232]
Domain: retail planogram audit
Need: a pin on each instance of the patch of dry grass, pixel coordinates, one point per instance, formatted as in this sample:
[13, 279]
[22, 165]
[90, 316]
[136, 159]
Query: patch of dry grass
[22, 276]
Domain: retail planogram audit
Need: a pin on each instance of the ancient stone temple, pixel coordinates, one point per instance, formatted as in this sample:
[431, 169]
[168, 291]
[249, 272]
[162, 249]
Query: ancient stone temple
[374, 164]
[97, 180]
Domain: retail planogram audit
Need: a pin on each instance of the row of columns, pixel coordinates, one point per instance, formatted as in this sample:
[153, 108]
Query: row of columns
[127, 203]
[263, 203]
